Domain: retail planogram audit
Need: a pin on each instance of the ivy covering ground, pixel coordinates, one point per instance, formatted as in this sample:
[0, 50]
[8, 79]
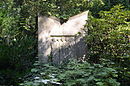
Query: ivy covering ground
[73, 73]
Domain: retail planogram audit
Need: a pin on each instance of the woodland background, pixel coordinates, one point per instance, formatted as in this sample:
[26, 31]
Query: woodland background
[108, 40]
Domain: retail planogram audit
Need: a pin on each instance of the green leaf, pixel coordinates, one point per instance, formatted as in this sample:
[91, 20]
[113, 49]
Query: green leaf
[34, 70]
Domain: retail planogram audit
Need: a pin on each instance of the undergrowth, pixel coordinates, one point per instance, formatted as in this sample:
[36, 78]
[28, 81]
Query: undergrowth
[73, 73]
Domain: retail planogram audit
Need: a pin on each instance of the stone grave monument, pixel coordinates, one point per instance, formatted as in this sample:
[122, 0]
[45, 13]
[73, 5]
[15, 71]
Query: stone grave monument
[58, 42]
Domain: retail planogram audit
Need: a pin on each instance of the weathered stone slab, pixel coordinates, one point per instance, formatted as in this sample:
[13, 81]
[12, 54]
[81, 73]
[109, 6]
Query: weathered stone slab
[58, 42]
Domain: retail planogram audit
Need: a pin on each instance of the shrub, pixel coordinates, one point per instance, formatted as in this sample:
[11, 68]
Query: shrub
[73, 73]
[109, 38]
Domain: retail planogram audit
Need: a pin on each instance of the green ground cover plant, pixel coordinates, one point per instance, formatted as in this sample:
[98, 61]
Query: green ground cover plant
[73, 73]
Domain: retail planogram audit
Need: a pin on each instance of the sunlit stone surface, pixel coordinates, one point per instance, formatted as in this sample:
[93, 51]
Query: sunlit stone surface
[58, 42]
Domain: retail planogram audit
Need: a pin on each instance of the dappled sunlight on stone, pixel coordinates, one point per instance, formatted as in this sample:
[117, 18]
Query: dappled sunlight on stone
[61, 41]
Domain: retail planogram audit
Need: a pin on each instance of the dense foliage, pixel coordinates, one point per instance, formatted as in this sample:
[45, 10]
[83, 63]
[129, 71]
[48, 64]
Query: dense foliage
[17, 42]
[73, 73]
[109, 39]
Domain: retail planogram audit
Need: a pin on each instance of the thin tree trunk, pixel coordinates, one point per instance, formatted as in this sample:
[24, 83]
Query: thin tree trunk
[127, 2]
[109, 3]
